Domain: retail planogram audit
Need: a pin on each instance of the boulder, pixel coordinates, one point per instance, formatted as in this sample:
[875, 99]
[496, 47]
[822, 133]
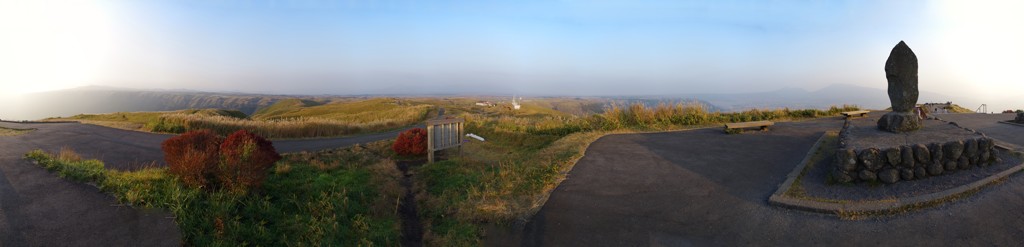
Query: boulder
[920, 172]
[935, 169]
[899, 122]
[950, 165]
[907, 174]
[889, 176]
[867, 175]
[971, 148]
[870, 159]
[963, 163]
[846, 160]
[936, 150]
[893, 156]
[921, 154]
[953, 149]
[983, 144]
[907, 154]
[842, 176]
[985, 158]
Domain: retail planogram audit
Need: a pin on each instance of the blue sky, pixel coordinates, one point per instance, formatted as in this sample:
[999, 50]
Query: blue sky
[532, 47]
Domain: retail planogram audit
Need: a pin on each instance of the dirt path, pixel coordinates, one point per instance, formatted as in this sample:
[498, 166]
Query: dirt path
[38, 208]
[412, 227]
[705, 188]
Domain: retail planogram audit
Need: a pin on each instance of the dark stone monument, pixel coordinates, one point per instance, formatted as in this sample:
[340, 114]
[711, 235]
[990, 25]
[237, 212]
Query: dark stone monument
[869, 151]
[901, 72]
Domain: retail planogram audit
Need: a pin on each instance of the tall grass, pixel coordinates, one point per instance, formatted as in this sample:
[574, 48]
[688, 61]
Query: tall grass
[289, 128]
[683, 114]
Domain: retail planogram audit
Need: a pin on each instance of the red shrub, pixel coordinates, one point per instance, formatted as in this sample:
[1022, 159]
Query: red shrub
[245, 159]
[192, 156]
[411, 142]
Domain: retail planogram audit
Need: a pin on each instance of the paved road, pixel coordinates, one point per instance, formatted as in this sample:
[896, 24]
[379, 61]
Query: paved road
[38, 208]
[705, 188]
[988, 124]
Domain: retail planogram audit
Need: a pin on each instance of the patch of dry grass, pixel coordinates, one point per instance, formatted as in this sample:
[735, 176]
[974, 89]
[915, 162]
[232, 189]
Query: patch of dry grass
[290, 118]
[291, 128]
[13, 132]
[67, 154]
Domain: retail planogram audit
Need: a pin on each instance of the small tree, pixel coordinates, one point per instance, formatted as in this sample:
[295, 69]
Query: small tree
[411, 142]
[192, 156]
[245, 161]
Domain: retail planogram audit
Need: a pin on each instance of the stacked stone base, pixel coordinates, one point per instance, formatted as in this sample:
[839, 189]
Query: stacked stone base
[899, 122]
[910, 162]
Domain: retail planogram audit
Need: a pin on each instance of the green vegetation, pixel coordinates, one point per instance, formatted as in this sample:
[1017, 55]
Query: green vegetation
[13, 131]
[344, 197]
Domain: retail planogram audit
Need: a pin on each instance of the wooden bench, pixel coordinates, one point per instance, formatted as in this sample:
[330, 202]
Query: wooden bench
[850, 114]
[740, 126]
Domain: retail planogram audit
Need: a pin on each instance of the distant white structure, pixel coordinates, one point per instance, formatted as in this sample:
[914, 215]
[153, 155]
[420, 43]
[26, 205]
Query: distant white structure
[485, 103]
[515, 104]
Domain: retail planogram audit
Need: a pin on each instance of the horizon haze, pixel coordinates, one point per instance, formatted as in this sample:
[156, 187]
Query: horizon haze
[967, 50]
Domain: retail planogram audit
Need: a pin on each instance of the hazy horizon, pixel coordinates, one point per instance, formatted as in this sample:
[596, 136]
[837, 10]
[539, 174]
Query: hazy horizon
[965, 49]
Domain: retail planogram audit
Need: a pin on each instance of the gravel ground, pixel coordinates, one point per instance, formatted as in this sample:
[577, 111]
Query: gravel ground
[814, 182]
[864, 133]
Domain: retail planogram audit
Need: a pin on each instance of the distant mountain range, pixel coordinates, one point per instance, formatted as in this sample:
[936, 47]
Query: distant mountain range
[105, 100]
[94, 99]
[835, 94]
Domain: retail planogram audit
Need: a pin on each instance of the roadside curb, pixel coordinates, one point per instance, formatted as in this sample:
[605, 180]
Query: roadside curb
[779, 198]
[1011, 123]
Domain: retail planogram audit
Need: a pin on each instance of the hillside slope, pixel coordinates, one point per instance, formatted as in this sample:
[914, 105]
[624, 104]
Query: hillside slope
[105, 100]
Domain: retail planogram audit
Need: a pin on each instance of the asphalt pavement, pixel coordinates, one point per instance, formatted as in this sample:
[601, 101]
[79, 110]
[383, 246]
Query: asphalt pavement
[687, 188]
[705, 188]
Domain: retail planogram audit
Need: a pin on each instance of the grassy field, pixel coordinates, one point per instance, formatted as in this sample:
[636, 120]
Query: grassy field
[346, 197]
[13, 132]
[288, 118]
